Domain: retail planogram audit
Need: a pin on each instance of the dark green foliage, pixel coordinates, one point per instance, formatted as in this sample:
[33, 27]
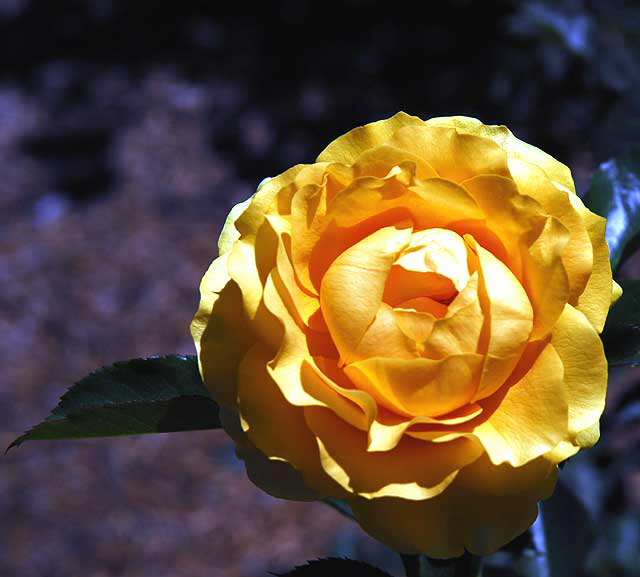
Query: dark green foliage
[621, 335]
[334, 567]
[155, 395]
[420, 566]
[568, 533]
[615, 194]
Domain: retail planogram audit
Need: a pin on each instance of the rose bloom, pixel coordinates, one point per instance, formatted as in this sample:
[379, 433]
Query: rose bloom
[411, 324]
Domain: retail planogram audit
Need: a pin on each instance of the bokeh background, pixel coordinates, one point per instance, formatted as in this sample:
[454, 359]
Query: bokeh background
[128, 130]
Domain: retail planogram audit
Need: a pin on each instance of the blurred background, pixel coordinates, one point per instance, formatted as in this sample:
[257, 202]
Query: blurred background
[129, 129]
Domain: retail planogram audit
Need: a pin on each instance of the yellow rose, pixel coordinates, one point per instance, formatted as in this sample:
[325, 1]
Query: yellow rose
[411, 324]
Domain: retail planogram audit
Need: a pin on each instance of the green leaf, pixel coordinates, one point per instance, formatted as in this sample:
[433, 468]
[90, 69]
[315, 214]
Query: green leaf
[334, 567]
[621, 334]
[568, 532]
[155, 395]
[421, 566]
[615, 194]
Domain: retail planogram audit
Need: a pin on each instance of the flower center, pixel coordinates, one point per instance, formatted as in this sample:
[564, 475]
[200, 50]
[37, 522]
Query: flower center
[411, 319]
[428, 274]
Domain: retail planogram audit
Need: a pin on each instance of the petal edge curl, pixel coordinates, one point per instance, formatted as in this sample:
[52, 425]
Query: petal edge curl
[531, 416]
[219, 316]
[585, 368]
[414, 470]
[514, 147]
[348, 147]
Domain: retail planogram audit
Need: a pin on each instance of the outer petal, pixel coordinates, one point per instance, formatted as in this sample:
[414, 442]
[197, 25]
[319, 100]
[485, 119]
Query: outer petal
[530, 417]
[458, 519]
[596, 299]
[303, 306]
[230, 233]
[253, 254]
[513, 146]
[325, 381]
[577, 256]
[278, 478]
[265, 199]
[413, 470]
[508, 214]
[482, 476]
[348, 147]
[454, 155]
[221, 332]
[260, 402]
[545, 277]
[387, 429]
[616, 292]
[585, 369]
[430, 203]
[441, 203]
[380, 160]
[285, 368]
[308, 218]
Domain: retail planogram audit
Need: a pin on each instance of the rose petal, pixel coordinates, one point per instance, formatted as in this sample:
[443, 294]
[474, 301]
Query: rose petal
[616, 292]
[348, 147]
[508, 214]
[385, 335]
[437, 250]
[424, 387]
[414, 469]
[596, 299]
[529, 418]
[482, 476]
[380, 160]
[351, 290]
[416, 326]
[308, 219]
[230, 233]
[514, 147]
[403, 285]
[585, 368]
[423, 305]
[260, 401]
[325, 381]
[221, 332]
[302, 306]
[387, 428]
[458, 519]
[251, 259]
[440, 203]
[508, 319]
[431, 203]
[454, 155]
[577, 256]
[433, 265]
[278, 478]
[459, 332]
[546, 278]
